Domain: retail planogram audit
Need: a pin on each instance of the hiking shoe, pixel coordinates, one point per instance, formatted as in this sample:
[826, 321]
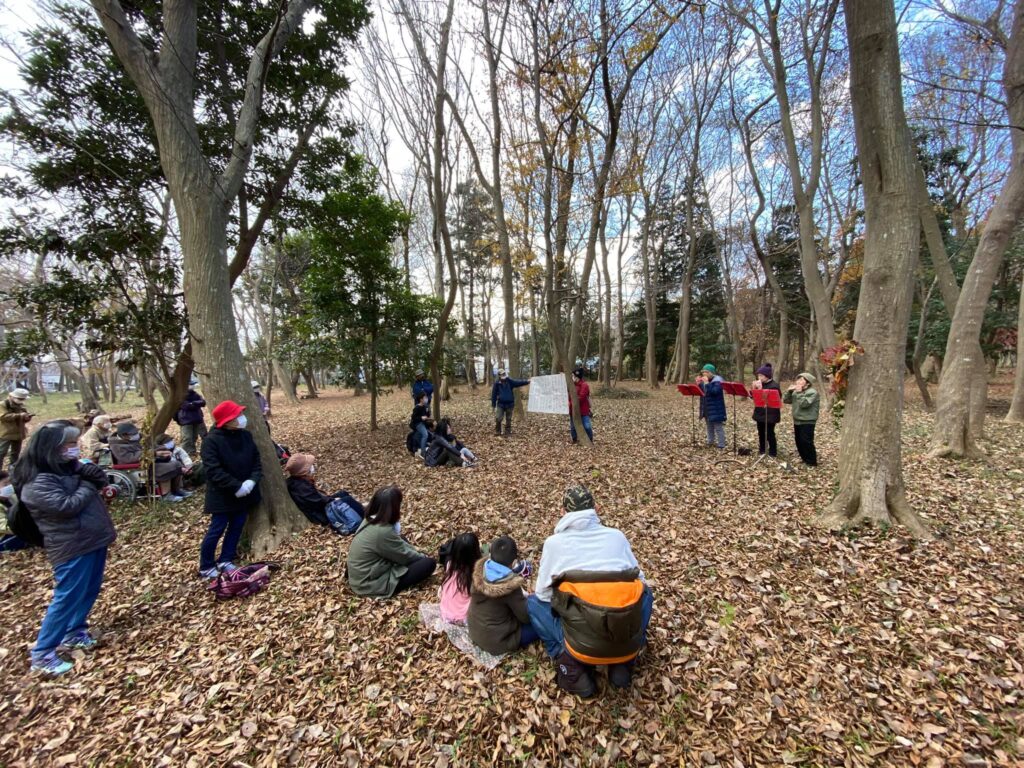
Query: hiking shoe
[620, 675]
[81, 640]
[208, 573]
[51, 665]
[227, 567]
[573, 677]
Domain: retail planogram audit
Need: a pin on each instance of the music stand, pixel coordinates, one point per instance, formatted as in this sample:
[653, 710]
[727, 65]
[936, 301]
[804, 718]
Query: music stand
[765, 398]
[691, 391]
[734, 388]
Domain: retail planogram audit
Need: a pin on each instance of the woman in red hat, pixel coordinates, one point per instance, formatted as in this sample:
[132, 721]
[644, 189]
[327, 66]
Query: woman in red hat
[231, 461]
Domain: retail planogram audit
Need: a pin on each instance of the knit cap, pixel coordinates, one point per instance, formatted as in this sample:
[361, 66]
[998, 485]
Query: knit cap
[577, 498]
[765, 370]
[710, 368]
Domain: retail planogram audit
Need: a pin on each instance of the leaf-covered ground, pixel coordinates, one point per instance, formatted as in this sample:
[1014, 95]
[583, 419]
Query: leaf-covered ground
[771, 643]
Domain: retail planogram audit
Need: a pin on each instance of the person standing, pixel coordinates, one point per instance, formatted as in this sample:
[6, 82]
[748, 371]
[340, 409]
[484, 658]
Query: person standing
[503, 400]
[261, 401]
[583, 395]
[62, 495]
[419, 422]
[806, 402]
[766, 418]
[14, 419]
[191, 419]
[231, 462]
[422, 386]
[712, 405]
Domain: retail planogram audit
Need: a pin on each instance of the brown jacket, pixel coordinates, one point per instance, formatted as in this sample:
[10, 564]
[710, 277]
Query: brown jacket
[497, 610]
[13, 425]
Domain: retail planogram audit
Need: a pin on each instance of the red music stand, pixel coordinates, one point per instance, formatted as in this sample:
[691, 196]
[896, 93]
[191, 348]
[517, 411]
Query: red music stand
[691, 391]
[765, 398]
[734, 388]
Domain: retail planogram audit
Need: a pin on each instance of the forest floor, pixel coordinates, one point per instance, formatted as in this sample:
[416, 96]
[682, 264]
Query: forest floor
[772, 642]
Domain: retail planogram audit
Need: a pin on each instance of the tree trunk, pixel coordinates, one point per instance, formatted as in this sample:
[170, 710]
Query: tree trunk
[606, 325]
[649, 307]
[963, 385]
[1016, 413]
[870, 472]
[146, 390]
[284, 378]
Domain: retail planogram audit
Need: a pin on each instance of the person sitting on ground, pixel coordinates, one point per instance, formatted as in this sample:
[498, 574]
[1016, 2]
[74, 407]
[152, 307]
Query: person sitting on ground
[14, 419]
[94, 442]
[458, 578]
[422, 386]
[9, 542]
[62, 495]
[420, 422]
[806, 402]
[499, 621]
[380, 562]
[168, 472]
[712, 405]
[126, 445]
[766, 418]
[445, 448]
[592, 605]
[261, 400]
[340, 511]
[191, 471]
[503, 400]
[190, 418]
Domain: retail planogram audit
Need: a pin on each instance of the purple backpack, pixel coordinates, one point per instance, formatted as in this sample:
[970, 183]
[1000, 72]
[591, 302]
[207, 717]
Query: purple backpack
[242, 582]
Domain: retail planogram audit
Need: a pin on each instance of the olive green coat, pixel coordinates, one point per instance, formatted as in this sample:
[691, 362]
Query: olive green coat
[805, 404]
[377, 559]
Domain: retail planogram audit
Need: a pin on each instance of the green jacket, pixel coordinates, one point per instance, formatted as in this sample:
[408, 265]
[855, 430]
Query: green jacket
[805, 404]
[377, 559]
[595, 632]
[12, 421]
[497, 611]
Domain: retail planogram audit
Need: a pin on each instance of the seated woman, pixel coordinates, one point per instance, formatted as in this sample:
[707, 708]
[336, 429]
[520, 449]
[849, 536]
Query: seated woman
[93, 442]
[340, 511]
[167, 471]
[380, 562]
[125, 445]
[445, 448]
[192, 475]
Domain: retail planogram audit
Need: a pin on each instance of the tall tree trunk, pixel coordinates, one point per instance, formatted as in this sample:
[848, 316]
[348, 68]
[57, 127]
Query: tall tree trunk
[870, 472]
[962, 387]
[146, 389]
[606, 324]
[649, 306]
[1016, 413]
[284, 378]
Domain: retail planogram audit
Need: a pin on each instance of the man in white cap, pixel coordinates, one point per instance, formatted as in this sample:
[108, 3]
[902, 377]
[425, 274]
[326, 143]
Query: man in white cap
[14, 418]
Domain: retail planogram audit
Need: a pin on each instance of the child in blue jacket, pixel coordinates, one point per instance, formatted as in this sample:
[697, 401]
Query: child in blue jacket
[712, 405]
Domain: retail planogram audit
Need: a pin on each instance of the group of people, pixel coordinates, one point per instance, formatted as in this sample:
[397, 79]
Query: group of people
[590, 605]
[801, 395]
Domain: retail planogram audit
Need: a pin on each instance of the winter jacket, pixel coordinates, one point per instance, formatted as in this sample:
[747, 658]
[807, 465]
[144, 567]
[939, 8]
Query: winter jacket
[442, 450]
[502, 394]
[69, 512]
[93, 443]
[261, 401]
[13, 425]
[308, 498]
[421, 387]
[191, 410]
[497, 611]
[179, 455]
[712, 405]
[377, 558]
[230, 457]
[774, 414]
[601, 613]
[418, 412]
[583, 395]
[805, 404]
[580, 542]
[125, 451]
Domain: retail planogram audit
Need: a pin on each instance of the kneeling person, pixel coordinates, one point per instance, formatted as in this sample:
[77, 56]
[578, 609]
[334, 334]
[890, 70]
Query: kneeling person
[592, 605]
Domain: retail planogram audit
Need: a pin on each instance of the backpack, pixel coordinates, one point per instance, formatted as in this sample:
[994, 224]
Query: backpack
[242, 582]
[410, 442]
[343, 517]
[21, 524]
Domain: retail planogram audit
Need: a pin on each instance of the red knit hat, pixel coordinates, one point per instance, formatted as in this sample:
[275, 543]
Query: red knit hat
[226, 411]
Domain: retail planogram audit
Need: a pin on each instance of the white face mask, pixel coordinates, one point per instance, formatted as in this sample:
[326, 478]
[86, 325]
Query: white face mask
[242, 422]
[72, 453]
[7, 491]
[398, 527]
[169, 446]
[312, 470]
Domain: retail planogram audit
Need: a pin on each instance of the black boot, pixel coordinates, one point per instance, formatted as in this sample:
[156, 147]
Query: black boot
[508, 430]
[497, 427]
[574, 677]
[620, 675]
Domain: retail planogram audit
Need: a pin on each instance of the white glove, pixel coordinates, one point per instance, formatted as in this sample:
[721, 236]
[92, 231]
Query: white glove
[246, 489]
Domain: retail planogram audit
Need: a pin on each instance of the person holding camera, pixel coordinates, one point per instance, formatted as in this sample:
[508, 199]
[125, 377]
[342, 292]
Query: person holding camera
[14, 419]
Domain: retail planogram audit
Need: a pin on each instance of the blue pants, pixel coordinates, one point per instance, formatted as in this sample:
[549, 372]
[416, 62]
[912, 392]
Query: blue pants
[78, 585]
[233, 524]
[549, 625]
[422, 436]
[588, 427]
[527, 635]
[716, 433]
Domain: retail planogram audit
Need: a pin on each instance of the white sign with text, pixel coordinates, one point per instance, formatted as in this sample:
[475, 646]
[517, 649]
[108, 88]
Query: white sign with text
[548, 395]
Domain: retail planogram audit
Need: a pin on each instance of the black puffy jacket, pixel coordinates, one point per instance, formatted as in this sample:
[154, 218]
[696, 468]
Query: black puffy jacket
[69, 512]
[230, 457]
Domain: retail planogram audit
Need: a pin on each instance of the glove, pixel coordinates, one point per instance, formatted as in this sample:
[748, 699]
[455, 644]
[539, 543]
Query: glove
[246, 489]
[94, 474]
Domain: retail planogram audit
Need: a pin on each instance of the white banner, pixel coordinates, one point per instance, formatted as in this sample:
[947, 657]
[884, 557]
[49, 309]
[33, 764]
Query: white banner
[548, 395]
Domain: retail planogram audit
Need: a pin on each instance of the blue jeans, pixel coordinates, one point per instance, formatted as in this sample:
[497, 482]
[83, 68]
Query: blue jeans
[233, 524]
[422, 435]
[588, 427]
[716, 433]
[548, 624]
[78, 585]
[527, 635]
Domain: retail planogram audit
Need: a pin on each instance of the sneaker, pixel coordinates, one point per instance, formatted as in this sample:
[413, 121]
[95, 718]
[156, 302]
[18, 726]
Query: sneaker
[51, 665]
[227, 567]
[184, 494]
[81, 640]
[170, 498]
[208, 573]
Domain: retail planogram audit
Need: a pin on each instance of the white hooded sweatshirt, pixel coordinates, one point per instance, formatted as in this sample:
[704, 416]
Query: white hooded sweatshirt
[581, 543]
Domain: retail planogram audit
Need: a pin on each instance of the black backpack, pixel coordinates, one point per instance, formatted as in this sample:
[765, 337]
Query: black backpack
[21, 524]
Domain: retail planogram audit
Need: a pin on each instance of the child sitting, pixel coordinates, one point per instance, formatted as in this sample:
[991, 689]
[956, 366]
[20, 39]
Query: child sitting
[458, 578]
[498, 619]
[445, 448]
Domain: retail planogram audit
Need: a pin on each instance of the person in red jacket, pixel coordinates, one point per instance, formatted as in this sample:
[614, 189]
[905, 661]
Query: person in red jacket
[583, 395]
